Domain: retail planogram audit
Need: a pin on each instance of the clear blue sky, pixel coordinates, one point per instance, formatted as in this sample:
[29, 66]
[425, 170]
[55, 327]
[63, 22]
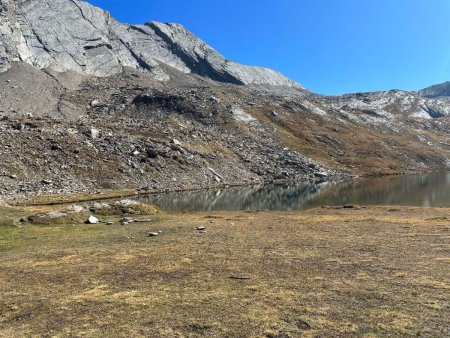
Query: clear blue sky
[329, 46]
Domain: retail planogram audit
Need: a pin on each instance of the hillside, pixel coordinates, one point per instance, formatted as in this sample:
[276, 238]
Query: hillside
[96, 105]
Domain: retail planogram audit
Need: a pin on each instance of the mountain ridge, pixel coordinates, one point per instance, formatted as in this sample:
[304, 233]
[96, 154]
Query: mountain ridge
[90, 104]
[73, 35]
[437, 90]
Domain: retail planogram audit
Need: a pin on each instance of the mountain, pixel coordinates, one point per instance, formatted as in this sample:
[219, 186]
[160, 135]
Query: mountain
[72, 35]
[439, 90]
[90, 104]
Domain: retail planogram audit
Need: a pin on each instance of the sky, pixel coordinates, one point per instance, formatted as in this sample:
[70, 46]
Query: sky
[328, 46]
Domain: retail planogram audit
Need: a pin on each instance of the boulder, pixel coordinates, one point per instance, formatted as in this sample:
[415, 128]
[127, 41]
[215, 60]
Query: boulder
[176, 142]
[151, 153]
[95, 103]
[92, 220]
[123, 207]
[94, 133]
[70, 215]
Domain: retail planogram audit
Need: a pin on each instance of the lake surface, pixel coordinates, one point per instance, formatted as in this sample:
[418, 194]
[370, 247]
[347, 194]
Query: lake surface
[429, 190]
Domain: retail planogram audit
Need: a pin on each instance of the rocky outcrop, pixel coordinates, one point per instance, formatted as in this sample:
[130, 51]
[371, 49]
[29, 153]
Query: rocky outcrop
[387, 107]
[72, 35]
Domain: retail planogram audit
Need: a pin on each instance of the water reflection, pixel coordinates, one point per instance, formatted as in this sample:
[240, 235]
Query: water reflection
[428, 190]
[417, 190]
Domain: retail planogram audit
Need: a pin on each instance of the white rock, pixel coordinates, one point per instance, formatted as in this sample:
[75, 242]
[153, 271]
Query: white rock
[240, 115]
[92, 220]
[95, 133]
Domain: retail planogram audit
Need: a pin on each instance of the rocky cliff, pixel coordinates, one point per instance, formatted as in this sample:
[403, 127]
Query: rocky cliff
[440, 90]
[72, 35]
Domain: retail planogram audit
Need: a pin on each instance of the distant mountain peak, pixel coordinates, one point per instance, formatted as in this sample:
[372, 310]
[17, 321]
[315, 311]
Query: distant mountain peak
[73, 35]
[438, 90]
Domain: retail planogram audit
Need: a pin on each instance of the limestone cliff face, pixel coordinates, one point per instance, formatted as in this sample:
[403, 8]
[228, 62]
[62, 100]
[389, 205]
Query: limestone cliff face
[73, 35]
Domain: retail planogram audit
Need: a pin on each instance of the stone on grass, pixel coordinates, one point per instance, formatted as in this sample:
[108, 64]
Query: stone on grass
[92, 220]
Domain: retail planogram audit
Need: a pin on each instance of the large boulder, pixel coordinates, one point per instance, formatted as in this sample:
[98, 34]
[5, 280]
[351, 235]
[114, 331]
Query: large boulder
[70, 215]
[123, 207]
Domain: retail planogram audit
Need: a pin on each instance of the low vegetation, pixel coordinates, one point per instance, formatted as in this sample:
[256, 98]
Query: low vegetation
[366, 272]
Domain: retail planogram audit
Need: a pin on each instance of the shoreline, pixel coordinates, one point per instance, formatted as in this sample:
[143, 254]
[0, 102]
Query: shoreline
[70, 198]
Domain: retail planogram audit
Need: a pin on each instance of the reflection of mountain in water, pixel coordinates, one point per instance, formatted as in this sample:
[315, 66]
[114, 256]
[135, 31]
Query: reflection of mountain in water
[271, 197]
[427, 190]
[417, 190]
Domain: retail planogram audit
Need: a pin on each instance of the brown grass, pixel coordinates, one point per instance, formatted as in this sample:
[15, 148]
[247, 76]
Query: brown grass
[364, 149]
[318, 273]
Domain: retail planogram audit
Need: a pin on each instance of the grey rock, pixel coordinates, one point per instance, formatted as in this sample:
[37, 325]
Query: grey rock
[126, 203]
[214, 99]
[176, 142]
[151, 153]
[321, 174]
[95, 103]
[439, 90]
[18, 126]
[72, 35]
[55, 214]
[126, 220]
[94, 133]
[75, 209]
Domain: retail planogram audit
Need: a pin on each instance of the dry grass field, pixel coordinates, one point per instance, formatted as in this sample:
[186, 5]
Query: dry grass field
[362, 272]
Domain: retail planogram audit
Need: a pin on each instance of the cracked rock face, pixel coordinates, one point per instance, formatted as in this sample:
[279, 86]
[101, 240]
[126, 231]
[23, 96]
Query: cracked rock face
[65, 35]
